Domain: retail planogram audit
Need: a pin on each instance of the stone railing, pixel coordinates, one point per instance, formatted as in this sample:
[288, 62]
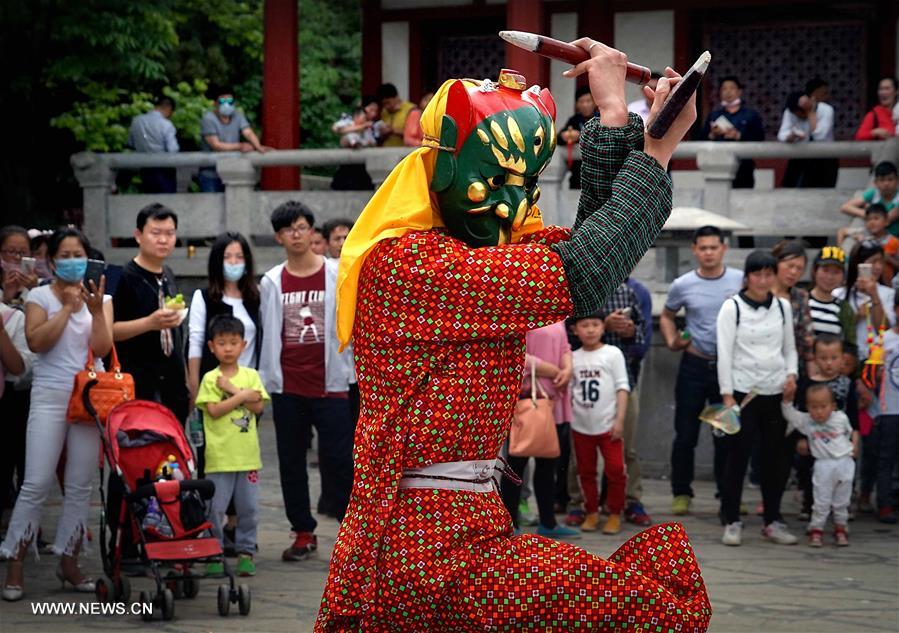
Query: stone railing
[243, 207]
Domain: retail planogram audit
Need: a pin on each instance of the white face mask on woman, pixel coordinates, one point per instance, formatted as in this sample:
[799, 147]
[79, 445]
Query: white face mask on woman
[234, 272]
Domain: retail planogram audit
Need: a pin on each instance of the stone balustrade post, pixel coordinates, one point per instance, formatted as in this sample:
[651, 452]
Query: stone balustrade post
[96, 179]
[240, 178]
[718, 167]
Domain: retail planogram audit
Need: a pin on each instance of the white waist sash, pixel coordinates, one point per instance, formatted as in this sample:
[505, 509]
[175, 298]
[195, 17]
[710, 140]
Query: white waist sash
[473, 476]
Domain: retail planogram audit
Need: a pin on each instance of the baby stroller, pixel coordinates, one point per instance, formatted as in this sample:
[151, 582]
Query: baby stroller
[145, 444]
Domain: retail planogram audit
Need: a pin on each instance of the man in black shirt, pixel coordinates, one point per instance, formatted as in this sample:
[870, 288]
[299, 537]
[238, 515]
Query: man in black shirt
[148, 335]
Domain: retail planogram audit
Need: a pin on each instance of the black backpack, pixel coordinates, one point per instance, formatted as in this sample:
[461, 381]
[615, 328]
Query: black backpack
[783, 316]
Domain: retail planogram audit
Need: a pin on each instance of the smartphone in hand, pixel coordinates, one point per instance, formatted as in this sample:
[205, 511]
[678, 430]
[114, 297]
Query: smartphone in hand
[95, 270]
[865, 271]
[27, 265]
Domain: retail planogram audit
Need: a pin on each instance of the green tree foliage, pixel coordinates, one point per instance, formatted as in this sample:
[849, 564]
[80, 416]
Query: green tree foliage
[221, 42]
[330, 66]
[75, 72]
[101, 121]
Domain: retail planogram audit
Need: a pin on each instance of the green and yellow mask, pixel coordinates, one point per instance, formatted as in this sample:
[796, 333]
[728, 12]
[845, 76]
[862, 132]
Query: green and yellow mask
[484, 145]
[495, 140]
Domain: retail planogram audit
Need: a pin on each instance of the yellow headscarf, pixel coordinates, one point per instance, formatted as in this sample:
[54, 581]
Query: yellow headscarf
[402, 204]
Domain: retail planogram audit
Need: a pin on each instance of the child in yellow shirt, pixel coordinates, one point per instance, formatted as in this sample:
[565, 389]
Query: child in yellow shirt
[231, 397]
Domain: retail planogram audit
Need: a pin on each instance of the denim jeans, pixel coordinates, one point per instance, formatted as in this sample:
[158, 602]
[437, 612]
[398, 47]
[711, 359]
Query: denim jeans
[294, 416]
[47, 433]
[697, 384]
[159, 180]
[886, 433]
[210, 182]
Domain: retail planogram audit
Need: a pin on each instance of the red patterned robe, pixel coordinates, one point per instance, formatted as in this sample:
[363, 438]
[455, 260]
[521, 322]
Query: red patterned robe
[439, 337]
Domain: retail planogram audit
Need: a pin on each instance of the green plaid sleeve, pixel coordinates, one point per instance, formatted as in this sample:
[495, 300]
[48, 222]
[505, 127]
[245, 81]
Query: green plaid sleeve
[619, 215]
[603, 150]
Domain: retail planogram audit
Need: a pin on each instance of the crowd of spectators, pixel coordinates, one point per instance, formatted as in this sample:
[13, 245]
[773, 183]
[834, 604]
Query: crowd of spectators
[386, 119]
[798, 365]
[244, 341]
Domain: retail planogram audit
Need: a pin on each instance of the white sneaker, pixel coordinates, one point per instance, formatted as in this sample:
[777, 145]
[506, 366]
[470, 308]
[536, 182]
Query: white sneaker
[776, 532]
[733, 533]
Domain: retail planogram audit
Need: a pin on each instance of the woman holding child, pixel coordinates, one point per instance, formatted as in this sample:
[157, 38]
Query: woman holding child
[64, 320]
[757, 355]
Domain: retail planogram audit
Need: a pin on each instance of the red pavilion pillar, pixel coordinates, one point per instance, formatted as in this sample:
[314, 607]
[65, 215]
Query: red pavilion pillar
[281, 89]
[371, 46]
[596, 20]
[526, 15]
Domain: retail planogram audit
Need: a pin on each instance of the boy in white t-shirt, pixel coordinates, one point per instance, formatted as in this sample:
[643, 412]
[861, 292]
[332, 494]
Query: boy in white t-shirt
[599, 390]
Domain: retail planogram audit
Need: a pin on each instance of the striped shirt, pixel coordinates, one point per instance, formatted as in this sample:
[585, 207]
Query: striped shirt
[825, 316]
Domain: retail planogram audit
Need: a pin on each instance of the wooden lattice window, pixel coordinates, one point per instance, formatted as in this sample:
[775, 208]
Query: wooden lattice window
[773, 60]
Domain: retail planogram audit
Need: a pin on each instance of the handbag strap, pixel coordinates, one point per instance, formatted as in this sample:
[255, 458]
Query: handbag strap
[116, 366]
[535, 385]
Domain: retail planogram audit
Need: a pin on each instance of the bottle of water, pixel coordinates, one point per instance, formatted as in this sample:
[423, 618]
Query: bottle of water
[154, 522]
[152, 518]
[175, 471]
[197, 437]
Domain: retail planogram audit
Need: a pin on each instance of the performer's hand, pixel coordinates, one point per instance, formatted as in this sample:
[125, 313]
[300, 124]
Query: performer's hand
[606, 70]
[662, 148]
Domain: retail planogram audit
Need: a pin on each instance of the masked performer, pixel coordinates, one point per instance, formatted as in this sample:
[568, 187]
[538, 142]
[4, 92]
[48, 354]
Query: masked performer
[445, 272]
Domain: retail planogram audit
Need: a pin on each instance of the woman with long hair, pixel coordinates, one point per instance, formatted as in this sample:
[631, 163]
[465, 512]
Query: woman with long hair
[232, 290]
[872, 303]
[63, 321]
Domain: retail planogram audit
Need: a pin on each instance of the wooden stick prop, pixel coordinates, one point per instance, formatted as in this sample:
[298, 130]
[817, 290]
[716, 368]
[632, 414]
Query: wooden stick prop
[677, 98]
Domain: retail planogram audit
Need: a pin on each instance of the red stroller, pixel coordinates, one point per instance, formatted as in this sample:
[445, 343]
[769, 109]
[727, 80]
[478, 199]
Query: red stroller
[145, 444]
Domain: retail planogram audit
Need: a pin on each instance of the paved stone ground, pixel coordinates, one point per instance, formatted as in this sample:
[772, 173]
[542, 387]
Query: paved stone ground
[756, 587]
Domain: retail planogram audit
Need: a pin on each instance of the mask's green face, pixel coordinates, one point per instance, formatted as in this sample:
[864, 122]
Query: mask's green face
[489, 187]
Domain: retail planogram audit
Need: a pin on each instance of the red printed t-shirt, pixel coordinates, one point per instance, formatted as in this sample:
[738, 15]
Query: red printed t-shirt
[303, 334]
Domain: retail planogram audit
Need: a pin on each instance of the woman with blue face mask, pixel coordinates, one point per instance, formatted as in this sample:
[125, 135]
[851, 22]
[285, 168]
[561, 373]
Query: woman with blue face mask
[62, 321]
[233, 291]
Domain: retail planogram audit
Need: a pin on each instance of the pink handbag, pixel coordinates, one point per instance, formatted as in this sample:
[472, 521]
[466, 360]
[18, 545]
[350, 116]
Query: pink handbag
[533, 432]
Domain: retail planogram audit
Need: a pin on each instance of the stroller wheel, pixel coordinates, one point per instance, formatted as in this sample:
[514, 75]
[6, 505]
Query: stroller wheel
[175, 585]
[103, 590]
[146, 600]
[167, 598]
[243, 599]
[191, 587]
[123, 590]
[224, 600]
